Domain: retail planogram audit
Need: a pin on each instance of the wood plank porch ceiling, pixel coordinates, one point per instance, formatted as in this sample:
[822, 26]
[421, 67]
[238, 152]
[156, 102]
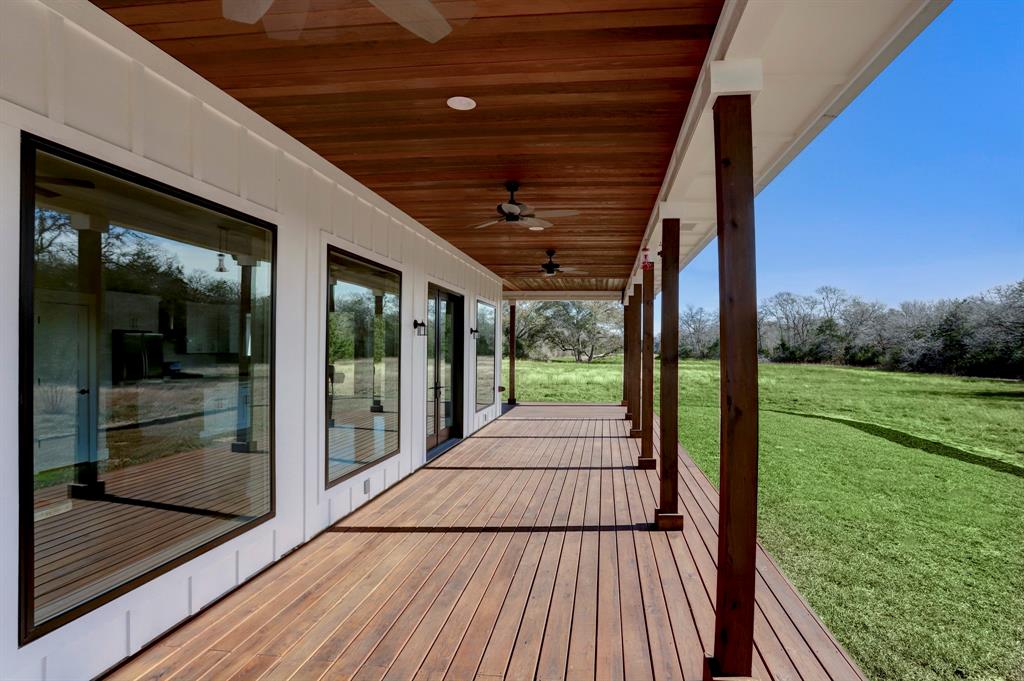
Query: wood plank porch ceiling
[579, 101]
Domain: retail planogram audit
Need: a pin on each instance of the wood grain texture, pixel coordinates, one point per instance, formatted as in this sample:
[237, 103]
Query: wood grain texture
[524, 552]
[631, 334]
[581, 102]
[647, 369]
[669, 395]
[734, 173]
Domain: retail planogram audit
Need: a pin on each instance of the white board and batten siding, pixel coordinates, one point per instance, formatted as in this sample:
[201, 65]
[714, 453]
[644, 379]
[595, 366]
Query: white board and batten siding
[71, 74]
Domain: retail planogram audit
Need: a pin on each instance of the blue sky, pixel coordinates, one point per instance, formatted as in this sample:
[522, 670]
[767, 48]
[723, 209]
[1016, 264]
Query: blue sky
[917, 190]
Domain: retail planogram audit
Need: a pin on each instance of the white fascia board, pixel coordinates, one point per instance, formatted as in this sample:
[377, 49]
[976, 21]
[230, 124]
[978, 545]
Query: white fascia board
[730, 75]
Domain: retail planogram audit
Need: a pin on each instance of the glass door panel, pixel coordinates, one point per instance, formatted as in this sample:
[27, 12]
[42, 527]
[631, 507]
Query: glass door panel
[444, 319]
[431, 370]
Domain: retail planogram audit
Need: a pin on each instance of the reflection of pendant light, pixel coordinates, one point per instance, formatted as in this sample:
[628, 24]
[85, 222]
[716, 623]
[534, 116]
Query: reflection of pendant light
[220, 256]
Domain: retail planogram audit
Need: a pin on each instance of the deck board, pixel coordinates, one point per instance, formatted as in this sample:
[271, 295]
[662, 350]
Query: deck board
[524, 552]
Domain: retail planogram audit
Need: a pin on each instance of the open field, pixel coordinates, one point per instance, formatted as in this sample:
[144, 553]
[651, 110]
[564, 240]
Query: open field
[893, 502]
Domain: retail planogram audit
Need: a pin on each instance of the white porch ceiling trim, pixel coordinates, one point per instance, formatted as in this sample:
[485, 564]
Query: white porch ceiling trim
[816, 57]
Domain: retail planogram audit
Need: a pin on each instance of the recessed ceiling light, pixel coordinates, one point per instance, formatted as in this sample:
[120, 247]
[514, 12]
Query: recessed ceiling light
[461, 103]
[536, 229]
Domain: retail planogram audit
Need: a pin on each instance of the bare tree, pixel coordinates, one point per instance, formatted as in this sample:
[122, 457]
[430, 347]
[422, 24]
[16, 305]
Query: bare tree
[698, 331]
[831, 300]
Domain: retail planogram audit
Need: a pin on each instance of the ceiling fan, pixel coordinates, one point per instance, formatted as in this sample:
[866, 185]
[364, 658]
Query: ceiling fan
[419, 17]
[550, 268]
[520, 213]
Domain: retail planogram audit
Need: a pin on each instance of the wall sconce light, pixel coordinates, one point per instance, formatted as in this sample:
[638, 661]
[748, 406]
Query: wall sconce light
[473, 333]
[420, 327]
[647, 264]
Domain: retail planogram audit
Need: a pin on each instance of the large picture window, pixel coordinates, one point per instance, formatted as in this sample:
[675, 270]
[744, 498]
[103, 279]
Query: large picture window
[363, 352]
[146, 380]
[485, 356]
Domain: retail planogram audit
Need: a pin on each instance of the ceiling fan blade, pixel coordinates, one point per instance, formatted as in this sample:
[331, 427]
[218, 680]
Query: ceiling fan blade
[46, 193]
[526, 210]
[245, 11]
[572, 270]
[487, 224]
[556, 214]
[286, 20]
[419, 17]
[536, 224]
[510, 209]
[67, 182]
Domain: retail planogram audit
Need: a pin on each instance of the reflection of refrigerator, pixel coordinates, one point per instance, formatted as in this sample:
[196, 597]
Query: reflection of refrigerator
[136, 355]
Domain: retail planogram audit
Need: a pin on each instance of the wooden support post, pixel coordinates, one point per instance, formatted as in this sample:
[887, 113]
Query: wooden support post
[667, 514]
[512, 354]
[737, 520]
[627, 363]
[634, 360]
[647, 459]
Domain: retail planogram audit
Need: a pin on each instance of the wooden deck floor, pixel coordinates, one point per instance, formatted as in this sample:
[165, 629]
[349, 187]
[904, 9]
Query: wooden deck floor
[522, 553]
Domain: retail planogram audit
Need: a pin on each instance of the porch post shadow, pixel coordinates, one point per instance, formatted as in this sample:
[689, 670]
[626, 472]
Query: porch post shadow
[512, 354]
[647, 459]
[667, 516]
[737, 521]
[635, 407]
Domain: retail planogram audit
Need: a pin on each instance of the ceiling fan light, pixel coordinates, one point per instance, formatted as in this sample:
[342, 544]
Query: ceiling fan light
[460, 103]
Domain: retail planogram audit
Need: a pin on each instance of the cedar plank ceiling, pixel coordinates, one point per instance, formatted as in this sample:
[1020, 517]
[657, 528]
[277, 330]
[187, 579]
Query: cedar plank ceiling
[579, 100]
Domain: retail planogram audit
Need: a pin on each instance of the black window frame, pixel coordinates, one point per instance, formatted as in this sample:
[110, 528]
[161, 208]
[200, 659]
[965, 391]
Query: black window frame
[331, 248]
[476, 357]
[30, 146]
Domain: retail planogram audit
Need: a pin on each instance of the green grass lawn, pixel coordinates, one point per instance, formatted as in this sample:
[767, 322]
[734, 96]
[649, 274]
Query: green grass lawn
[894, 502]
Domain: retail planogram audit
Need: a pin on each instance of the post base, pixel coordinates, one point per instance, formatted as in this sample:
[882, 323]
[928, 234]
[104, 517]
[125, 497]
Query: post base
[627, 417]
[636, 432]
[511, 402]
[711, 673]
[244, 447]
[87, 490]
[668, 521]
[377, 408]
[647, 463]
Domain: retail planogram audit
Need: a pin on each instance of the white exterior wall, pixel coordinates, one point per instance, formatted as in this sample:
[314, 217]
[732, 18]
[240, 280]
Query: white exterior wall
[71, 74]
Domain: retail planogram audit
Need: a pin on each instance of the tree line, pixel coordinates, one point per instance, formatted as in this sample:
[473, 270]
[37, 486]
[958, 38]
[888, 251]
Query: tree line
[980, 335]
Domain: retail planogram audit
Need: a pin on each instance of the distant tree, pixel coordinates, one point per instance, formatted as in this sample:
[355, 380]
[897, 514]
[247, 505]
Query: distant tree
[698, 332]
[530, 328]
[587, 330]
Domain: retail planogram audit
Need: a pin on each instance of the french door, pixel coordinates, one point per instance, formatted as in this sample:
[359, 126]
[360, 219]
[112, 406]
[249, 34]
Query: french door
[444, 364]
